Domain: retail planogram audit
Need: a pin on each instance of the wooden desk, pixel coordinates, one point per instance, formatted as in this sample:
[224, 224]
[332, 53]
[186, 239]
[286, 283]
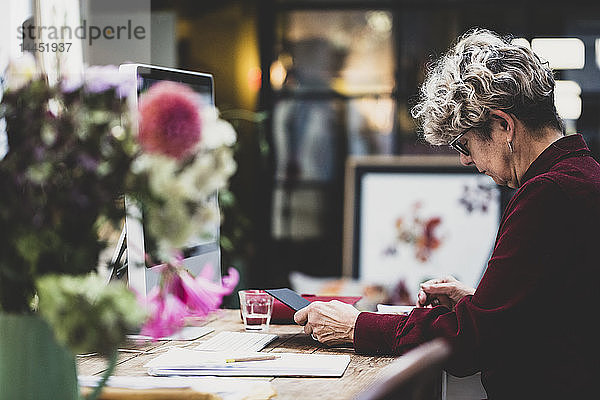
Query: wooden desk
[361, 372]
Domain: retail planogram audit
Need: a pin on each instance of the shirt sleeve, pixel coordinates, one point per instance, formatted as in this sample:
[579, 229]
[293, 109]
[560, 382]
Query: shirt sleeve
[394, 334]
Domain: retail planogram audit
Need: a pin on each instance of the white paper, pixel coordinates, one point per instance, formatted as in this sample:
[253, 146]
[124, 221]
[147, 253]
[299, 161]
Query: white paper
[227, 388]
[179, 361]
[237, 341]
[137, 382]
[186, 333]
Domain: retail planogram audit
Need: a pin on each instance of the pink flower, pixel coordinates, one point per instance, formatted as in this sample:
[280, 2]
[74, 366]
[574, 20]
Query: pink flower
[181, 295]
[169, 120]
[167, 314]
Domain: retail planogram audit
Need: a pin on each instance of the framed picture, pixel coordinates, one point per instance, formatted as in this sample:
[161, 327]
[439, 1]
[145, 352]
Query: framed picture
[413, 218]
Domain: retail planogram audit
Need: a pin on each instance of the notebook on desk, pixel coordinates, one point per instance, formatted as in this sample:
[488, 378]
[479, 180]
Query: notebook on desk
[186, 362]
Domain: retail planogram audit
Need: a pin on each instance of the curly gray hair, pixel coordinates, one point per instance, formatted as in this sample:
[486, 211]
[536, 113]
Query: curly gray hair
[484, 72]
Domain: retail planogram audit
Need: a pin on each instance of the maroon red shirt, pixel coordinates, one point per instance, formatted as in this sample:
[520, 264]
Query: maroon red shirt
[530, 327]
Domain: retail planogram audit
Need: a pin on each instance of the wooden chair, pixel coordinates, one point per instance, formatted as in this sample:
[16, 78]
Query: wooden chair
[415, 375]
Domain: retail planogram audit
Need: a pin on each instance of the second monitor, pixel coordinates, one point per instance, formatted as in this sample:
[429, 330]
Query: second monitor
[200, 251]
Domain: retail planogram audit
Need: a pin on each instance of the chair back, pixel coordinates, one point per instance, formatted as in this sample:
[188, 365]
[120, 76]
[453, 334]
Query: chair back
[415, 375]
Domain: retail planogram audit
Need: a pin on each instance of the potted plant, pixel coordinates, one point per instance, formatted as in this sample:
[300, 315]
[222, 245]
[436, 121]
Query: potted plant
[71, 156]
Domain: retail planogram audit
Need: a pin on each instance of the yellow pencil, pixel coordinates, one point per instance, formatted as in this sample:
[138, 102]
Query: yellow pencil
[253, 358]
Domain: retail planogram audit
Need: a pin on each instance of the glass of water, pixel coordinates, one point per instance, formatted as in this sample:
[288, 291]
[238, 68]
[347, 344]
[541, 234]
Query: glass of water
[256, 307]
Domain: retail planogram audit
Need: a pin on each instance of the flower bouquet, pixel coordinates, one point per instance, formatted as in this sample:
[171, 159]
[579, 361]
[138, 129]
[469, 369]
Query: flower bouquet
[71, 156]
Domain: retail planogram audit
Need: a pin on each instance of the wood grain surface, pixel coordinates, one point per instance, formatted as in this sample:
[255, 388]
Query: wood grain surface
[361, 372]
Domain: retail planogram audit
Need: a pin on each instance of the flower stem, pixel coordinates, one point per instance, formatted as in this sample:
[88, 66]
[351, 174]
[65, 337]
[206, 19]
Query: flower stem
[112, 363]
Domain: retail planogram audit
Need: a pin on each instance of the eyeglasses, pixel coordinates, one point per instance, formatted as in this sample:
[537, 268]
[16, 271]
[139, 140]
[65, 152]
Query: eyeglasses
[459, 146]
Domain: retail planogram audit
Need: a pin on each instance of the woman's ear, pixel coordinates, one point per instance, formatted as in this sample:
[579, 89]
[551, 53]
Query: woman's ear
[506, 121]
[503, 123]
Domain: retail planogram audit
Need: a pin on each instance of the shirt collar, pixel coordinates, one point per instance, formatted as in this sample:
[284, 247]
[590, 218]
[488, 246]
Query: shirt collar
[564, 147]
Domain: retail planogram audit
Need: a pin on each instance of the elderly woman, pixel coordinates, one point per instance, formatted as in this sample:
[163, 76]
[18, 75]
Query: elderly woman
[528, 326]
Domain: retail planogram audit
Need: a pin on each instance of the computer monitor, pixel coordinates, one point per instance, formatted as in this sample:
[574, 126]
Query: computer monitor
[412, 218]
[198, 252]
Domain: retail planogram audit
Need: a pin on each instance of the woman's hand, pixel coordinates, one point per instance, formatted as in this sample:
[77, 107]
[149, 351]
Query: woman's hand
[331, 322]
[448, 291]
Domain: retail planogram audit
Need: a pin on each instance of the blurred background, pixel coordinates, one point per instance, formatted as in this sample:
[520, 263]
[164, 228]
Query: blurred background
[308, 84]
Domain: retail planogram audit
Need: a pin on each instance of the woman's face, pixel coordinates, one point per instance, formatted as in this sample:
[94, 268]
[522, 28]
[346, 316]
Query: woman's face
[491, 157]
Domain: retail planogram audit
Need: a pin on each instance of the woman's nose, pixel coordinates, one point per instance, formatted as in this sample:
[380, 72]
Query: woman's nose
[465, 160]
